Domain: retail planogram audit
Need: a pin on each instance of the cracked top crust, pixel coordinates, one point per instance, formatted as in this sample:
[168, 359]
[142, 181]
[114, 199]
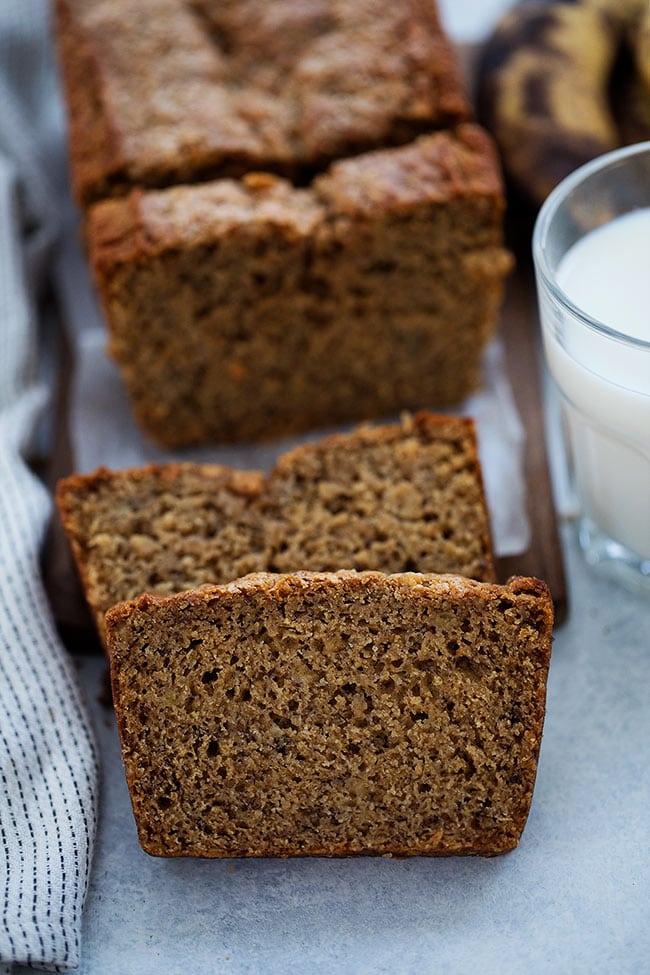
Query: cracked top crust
[167, 91]
[432, 170]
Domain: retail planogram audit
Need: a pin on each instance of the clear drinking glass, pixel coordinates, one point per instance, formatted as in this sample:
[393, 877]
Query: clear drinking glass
[602, 373]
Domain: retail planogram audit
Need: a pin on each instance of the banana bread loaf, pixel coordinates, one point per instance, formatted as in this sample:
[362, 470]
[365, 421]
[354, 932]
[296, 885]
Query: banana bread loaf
[332, 714]
[397, 497]
[162, 92]
[247, 308]
[243, 310]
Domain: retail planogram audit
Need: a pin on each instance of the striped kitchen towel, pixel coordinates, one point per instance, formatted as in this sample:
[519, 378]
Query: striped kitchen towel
[48, 765]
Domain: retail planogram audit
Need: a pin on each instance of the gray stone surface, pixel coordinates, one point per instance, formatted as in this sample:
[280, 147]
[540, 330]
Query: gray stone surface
[573, 898]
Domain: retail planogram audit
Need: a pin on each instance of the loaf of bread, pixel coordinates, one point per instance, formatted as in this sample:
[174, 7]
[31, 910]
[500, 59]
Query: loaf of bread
[360, 279]
[332, 714]
[397, 497]
[242, 310]
[162, 92]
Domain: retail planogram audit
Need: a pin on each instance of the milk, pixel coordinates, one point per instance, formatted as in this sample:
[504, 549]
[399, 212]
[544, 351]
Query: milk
[605, 380]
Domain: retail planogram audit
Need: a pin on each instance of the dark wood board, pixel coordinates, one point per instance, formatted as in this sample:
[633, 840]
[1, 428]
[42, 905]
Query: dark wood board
[520, 332]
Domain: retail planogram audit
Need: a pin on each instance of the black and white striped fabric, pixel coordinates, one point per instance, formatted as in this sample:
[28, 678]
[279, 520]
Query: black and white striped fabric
[48, 765]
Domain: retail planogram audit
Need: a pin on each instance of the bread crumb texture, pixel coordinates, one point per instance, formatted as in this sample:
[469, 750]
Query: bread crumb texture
[395, 498]
[332, 714]
[243, 310]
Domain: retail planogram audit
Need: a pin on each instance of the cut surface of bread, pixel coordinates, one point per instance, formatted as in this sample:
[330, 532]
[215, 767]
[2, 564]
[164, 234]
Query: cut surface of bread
[246, 310]
[332, 714]
[396, 497]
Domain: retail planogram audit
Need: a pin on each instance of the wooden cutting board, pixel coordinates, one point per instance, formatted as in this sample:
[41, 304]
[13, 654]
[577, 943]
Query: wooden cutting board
[520, 332]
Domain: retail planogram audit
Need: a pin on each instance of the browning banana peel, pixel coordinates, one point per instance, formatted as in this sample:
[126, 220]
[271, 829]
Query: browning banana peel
[562, 82]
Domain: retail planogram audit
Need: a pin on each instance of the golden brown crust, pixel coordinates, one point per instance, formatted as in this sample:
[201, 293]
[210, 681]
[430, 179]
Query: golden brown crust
[434, 169]
[246, 86]
[93, 137]
[281, 585]
[143, 225]
[296, 619]
[423, 425]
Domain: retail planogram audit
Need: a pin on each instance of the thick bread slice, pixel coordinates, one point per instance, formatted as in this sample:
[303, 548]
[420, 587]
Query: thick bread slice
[332, 714]
[397, 497]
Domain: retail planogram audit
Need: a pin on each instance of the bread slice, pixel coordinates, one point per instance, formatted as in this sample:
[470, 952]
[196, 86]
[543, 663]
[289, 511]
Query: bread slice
[332, 714]
[396, 497]
[161, 528]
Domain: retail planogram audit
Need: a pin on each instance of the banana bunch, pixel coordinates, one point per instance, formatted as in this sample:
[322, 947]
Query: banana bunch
[561, 82]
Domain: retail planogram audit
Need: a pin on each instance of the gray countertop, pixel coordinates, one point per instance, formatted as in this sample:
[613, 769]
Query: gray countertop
[573, 898]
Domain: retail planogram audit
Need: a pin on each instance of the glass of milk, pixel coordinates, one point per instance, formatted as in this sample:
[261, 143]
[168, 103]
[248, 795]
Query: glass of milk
[591, 248]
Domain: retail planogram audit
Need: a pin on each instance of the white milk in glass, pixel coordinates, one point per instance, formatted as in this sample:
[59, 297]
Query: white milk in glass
[605, 381]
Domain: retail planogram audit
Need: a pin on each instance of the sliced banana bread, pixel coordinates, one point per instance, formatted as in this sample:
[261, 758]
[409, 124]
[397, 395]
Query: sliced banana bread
[363, 278]
[397, 497]
[332, 714]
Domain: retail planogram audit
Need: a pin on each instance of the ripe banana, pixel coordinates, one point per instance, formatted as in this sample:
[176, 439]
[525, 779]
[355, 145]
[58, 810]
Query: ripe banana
[561, 82]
